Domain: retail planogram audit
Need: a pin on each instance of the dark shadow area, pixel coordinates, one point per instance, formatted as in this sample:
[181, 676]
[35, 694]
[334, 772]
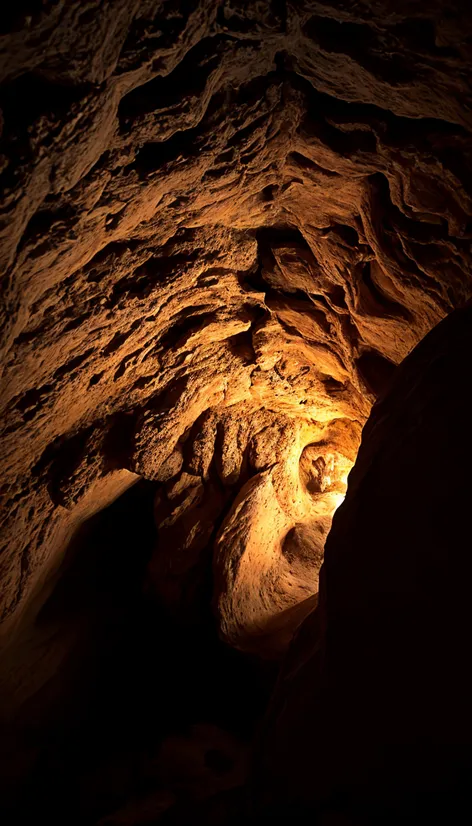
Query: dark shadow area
[375, 370]
[130, 678]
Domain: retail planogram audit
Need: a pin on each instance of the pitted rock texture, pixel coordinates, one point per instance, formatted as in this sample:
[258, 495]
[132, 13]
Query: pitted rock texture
[223, 224]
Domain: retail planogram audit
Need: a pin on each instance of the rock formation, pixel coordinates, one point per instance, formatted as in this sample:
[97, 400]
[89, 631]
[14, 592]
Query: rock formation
[371, 720]
[223, 224]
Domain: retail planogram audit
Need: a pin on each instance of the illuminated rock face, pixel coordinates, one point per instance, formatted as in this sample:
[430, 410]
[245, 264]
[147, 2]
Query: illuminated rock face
[223, 224]
[270, 547]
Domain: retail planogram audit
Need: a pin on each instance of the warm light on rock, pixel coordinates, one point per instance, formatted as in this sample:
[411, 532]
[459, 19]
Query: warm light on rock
[223, 225]
[270, 548]
[338, 500]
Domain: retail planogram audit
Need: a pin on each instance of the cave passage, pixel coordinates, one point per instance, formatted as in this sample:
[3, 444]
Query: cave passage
[228, 228]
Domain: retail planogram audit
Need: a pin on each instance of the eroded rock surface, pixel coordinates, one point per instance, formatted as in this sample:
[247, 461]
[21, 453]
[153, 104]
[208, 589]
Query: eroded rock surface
[223, 224]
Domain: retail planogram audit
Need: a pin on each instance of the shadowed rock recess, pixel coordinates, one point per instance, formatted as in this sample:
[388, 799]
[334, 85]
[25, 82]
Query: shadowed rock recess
[223, 224]
[371, 720]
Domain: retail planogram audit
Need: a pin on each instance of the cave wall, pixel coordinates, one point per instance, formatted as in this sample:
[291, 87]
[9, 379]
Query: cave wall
[223, 224]
[371, 719]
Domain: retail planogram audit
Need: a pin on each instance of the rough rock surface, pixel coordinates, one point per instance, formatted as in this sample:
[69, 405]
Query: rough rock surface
[222, 225]
[371, 721]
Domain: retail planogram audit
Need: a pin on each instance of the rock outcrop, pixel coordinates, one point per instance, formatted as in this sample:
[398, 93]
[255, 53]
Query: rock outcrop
[371, 720]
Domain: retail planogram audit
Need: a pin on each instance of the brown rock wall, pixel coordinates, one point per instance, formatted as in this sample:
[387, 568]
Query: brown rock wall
[221, 222]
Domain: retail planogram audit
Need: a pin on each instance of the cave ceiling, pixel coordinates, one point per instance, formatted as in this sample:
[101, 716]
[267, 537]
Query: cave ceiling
[222, 226]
